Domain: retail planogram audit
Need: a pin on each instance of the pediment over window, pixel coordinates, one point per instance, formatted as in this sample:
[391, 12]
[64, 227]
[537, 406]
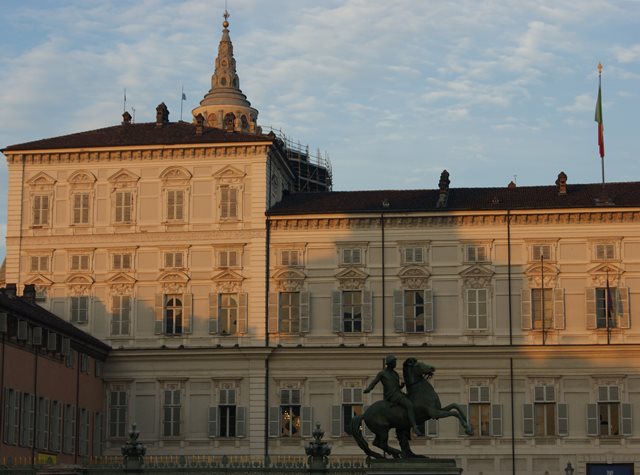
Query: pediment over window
[39, 281]
[352, 278]
[535, 273]
[229, 174]
[414, 277]
[173, 282]
[476, 276]
[79, 284]
[41, 180]
[121, 284]
[602, 273]
[124, 177]
[82, 177]
[175, 174]
[289, 280]
[228, 281]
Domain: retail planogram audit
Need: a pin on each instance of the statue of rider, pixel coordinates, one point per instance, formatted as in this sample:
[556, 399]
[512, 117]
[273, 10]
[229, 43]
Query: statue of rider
[392, 390]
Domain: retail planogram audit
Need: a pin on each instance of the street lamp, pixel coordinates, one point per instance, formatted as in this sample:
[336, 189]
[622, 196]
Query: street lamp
[569, 469]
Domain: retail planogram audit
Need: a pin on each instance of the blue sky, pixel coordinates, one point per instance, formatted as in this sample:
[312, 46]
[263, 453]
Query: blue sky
[393, 92]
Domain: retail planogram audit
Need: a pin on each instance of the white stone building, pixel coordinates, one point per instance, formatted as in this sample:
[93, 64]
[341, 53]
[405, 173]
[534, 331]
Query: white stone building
[245, 301]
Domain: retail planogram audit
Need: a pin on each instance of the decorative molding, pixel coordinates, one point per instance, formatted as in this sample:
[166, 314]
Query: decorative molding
[289, 280]
[534, 276]
[476, 277]
[121, 284]
[351, 278]
[414, 277]
[79, 284]
[173, 282]
[228, 281]
[602, 273]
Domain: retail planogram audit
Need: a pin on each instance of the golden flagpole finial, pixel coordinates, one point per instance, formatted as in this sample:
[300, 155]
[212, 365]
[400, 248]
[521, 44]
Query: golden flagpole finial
[599, 68]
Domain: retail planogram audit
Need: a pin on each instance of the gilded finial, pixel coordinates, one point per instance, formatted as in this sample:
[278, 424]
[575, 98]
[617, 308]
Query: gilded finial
[599, 68]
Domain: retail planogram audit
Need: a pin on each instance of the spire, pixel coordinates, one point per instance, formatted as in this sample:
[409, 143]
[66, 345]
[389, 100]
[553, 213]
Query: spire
[225, 106]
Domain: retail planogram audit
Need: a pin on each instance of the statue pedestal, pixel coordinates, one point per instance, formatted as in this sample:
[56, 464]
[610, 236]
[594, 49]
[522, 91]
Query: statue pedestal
[413, 467]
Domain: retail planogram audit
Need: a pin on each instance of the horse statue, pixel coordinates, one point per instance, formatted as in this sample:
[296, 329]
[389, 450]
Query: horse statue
[382, 416]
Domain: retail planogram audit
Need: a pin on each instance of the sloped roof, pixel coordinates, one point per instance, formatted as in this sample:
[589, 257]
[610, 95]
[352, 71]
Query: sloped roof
[172, 133]
[459, 199]
[35, 313]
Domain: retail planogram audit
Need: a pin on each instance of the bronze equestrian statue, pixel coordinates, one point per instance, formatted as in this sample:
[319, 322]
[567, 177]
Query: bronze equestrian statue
[392, 412]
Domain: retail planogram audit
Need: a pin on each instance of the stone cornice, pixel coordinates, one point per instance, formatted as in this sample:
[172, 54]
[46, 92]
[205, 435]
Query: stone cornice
[531, 218]
[142, 152]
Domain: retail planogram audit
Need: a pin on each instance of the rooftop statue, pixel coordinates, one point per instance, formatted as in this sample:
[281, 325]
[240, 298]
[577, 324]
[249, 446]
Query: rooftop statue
[403, 412]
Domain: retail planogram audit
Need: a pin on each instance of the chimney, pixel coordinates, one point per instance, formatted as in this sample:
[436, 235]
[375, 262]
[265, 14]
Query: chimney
[162, 115]
[29, 293]
[10, 290]
[126, 118]
[561, 183]
[443, 184]
[199, 124]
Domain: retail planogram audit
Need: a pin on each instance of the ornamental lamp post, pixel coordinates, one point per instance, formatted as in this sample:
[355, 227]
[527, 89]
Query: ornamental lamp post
[569, 469]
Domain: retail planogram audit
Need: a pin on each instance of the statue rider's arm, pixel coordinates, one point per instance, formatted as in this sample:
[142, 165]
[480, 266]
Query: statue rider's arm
[375, 381]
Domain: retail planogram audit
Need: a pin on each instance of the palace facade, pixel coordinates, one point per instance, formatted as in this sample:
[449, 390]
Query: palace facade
[245, 301]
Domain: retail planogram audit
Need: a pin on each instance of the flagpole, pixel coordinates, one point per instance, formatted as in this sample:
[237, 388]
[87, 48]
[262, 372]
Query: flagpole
[601, 131]
[181, 101]
[124, 105]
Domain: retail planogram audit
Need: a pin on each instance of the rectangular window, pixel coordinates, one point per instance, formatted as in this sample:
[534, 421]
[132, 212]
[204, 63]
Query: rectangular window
[609, 410]
[118, 413]
[605, 252]
[120, 314]
[539, 251]
[80, 262]
[27, 421]
[413, 255]
[173, 260]
[227, 413]
[11, 417]
[83, 442]
[352, 311]
[544, 411]
[69, 429]
[414, 319]
[39, 263]
[607, 304]
[228, 313]
[474, 253]
[43, 421]
[290, 257]
[542, 305]
[56, 426]
[480, 410]
[228, 258]
[175, 205]
[173, 314]
[81, 208]
[80, 309]
[228, 202]
[289, 312]
[351, 256]
[171, 413]
[290, 423]
[121, 261]
[84, 363]
[41, 210]
[97, 434]
[351, 407]
[124, 207]
[477, 309]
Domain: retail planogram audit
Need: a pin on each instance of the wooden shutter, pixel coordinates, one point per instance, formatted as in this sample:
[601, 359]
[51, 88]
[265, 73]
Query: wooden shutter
[626, 416]
[187, 313]
[212, 424]
[367, 311]
[496, 420]
[159, 314]
[307, 421]
[241, 421]
[336, 311]
[213, 312]
[274, 306]
[243, 315]
[593, 423]
[305, 312]
[563, 419]
[558, 309]
[274, 421]
[398, 310]
[528, 420]
[622, 298]
[336, 421]
[526, 309]
[591, 312]
[429, 317]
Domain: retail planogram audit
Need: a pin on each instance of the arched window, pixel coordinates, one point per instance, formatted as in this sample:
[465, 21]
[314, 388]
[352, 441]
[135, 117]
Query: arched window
[229, 121]
[173, 315]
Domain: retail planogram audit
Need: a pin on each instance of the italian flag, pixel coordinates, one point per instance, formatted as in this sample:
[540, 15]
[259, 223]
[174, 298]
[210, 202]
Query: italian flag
[598, 119]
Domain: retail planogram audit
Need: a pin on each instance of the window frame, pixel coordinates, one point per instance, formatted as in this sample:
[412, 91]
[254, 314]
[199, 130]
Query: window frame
[117, 314]
[37, 220]
[81, 208]
[79, 313]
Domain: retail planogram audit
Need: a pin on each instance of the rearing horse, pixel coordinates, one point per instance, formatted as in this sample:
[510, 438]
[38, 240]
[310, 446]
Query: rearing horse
[383, 416]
